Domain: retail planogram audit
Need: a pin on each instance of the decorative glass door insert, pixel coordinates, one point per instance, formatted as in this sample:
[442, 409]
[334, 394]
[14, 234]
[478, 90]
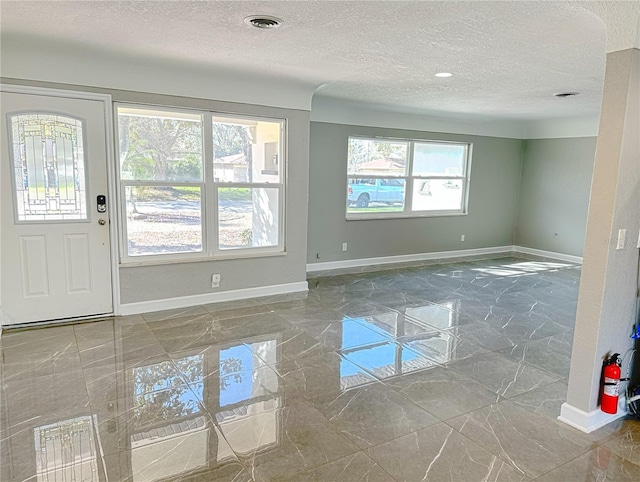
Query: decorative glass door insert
[49, 168]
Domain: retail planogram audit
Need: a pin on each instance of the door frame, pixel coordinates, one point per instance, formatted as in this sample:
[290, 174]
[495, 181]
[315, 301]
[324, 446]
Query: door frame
[113, 210]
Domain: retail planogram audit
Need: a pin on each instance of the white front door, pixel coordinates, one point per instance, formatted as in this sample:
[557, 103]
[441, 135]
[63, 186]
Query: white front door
[54, 244]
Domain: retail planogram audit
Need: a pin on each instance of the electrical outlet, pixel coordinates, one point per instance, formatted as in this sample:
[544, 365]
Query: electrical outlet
[344, 246]
[462, 238]
[215, 280]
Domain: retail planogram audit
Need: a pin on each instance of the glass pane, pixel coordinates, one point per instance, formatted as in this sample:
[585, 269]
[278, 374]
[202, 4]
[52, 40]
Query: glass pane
[246, 150]
[437, 195]
[377, 157]
[248, 217]
[162, 219]
[48, 164]
[439, 159]
[368, 195]
[159, 146]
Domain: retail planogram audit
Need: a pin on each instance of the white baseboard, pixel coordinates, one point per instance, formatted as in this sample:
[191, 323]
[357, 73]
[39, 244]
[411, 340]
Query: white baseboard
[548, 254]
[589, 421]
[203, 299]
[404, 258]
[462, 253]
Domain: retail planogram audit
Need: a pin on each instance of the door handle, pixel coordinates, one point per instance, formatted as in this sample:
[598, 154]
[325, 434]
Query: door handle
[101, 222]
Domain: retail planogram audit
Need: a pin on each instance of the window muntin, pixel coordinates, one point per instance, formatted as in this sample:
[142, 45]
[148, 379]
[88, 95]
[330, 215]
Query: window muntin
[380, 173]
[48, 165]
[195, 184]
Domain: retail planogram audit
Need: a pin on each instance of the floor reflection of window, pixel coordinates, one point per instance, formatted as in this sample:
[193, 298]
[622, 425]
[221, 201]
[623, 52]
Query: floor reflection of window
[351, 375]
[249, 398]
[441, 316]
[161, 395]
[387, 359]
[393, 343]
[236, 375]
[170, 435]
[66, 451]
[360, 333]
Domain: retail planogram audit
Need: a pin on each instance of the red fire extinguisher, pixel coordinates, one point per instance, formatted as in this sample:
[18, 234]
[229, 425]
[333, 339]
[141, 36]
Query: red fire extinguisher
[611, 384]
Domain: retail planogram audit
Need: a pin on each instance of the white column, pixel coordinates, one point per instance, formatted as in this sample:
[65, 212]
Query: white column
[606, 302]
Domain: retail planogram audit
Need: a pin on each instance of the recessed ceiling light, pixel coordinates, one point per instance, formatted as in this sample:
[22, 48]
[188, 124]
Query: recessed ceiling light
[566, 94]
[263, 21]
[444, 74]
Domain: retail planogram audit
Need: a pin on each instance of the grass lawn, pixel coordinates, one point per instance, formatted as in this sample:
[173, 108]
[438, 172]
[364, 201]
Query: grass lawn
[188, 193]
[376, 209]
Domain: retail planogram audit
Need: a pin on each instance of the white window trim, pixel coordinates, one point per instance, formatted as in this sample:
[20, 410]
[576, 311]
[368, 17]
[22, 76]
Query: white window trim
[407, 211]
[209, 199]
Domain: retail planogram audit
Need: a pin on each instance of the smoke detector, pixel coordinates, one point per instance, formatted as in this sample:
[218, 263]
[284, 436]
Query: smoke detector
[263, 21]
[566, 94]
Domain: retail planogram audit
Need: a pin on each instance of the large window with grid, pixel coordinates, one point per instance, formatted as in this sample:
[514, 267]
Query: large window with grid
[196, 184]
[389, 178]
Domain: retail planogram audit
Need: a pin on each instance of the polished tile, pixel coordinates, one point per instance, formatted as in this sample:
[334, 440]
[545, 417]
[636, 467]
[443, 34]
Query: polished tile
[36, 353]
[551, 354]
[443, 392]
[627, 446]
[353, 468]
[198, 453]
[440, 453]
[174, 314]
[598, 465]
[533, 444]
[417, 371]
[546, 400]
[485, 336]
[373, 414]
[112, 341]
[502, 375]
[287, 440]
[442, 346]
[326, 374]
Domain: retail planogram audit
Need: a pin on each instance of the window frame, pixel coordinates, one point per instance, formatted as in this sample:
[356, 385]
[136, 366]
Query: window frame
[209, 192]
[409, 180]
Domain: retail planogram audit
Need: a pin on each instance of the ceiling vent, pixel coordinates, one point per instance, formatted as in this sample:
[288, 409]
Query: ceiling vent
[566, 94]
[263, 21]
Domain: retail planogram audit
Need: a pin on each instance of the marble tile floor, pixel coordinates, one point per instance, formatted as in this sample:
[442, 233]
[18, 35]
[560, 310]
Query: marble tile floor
[432, 372]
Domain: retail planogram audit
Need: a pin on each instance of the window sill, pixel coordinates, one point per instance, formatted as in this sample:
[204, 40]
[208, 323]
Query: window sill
[137, 262]
[369, 217]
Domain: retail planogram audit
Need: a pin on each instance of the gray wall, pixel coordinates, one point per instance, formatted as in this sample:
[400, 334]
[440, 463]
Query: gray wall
[157, 282]
[493, 199]
[554, 194]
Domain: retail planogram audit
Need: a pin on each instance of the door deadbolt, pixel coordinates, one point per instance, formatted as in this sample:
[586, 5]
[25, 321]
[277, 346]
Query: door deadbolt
[101, 203]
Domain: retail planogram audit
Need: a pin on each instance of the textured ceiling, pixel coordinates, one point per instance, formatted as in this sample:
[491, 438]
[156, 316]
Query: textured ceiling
[508, 58]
